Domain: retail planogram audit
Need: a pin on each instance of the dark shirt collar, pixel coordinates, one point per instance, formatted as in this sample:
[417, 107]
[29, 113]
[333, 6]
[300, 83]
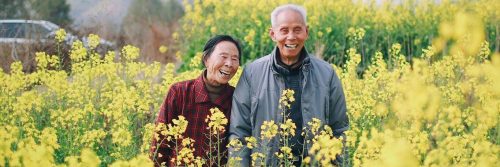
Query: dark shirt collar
[295, 68]
[210, 88]
[202, 93]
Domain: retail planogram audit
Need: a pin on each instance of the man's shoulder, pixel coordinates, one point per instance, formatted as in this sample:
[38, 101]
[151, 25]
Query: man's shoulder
[320, 64]
[258, 65]
[260, 61]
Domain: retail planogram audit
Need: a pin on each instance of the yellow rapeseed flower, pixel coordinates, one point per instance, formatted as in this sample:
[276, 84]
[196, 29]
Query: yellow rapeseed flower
[315, 124]
[288, 128]
[178, 128]
[60, 35]
[268, 130]
[251, 142]
[195, 62]
[285, 152]
[325, 149]
[122, 137]
[78, 52]
[216, 121]
[162, 49]
[235, 144]
[93, 41]
[256, 156]
[130, 53]
[286, 99]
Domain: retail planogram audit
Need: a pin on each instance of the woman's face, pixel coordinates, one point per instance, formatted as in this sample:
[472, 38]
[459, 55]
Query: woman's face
[222, 64]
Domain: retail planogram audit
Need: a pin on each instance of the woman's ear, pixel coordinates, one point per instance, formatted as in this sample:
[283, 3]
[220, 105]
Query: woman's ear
[204, 60]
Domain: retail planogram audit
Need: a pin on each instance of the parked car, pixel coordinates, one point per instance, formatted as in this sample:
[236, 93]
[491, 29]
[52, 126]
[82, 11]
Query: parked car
[21, 39]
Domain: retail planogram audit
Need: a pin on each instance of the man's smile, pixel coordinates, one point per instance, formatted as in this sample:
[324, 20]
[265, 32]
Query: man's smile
[291, 46]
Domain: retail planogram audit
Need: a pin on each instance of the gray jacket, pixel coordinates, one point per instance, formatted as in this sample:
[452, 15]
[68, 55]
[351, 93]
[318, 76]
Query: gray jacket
[257, 93]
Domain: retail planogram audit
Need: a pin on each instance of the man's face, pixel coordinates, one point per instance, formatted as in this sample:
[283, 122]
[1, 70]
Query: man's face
[222, 64]
[289, 33]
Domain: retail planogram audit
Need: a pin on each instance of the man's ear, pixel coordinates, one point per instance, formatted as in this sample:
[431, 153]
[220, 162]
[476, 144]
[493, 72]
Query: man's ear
[271, 34]
[307, 31]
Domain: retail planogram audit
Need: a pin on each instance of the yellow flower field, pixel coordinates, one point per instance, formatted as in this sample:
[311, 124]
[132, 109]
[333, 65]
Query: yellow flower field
[439, 108]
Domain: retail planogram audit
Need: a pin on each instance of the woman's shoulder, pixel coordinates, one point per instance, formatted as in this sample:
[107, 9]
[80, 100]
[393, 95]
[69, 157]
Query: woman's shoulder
[183, 85]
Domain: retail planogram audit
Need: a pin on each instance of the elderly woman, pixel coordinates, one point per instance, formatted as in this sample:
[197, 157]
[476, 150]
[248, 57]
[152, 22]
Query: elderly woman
[194, 98]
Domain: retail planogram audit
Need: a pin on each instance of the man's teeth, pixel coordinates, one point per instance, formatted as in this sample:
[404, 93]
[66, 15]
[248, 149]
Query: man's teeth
[291, 46]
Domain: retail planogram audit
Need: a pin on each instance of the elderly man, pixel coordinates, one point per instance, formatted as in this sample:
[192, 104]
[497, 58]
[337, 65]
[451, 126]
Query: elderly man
[318, 90]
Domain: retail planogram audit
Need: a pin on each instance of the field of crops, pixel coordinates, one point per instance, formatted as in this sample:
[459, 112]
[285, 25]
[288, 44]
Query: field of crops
[421, 82]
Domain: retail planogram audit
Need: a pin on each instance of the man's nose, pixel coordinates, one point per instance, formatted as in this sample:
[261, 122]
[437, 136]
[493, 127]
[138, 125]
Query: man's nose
[291, 36]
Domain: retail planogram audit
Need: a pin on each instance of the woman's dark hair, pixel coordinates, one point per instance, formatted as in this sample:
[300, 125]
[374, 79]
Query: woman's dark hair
[212, 42]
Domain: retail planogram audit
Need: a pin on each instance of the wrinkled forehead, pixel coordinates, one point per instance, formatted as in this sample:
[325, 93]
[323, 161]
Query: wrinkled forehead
[289, 18]
[226, 47]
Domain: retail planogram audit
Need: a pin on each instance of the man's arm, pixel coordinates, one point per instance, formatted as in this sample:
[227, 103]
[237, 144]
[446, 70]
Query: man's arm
[338, 119]
[160, 151]
[240, 126]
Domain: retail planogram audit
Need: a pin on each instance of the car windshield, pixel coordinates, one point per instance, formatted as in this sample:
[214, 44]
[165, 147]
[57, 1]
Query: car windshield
[52, 26]
[12, 30]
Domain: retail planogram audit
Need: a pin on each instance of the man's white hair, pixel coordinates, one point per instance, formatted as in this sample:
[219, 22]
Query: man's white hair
[299, 9]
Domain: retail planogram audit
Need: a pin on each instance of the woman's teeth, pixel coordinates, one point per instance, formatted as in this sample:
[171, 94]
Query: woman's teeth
[224, 72]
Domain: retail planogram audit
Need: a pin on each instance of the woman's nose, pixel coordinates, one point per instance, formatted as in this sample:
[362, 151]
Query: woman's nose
[228, 63]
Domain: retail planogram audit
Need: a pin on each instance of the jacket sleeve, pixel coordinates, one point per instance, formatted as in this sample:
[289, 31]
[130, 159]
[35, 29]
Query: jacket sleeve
[240, 126]
[338, 119]
[160, 151]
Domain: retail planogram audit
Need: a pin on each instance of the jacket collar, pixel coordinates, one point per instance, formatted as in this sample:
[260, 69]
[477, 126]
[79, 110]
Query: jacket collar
[304, 61]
